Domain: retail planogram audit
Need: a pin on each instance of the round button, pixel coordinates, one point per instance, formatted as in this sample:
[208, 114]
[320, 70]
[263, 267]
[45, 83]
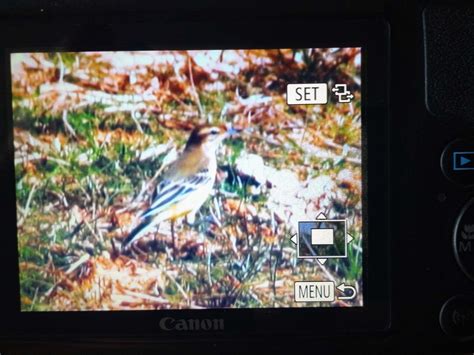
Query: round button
[457, 316]
[457, 161]
[464, 239]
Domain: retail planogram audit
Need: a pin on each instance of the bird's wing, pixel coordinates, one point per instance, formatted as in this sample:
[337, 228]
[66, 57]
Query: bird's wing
[173, 190]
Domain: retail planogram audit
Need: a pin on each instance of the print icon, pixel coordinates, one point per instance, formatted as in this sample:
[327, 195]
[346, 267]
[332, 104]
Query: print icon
[342, 93]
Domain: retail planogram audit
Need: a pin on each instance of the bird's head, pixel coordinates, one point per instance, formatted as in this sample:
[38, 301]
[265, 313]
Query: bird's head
[208, 137]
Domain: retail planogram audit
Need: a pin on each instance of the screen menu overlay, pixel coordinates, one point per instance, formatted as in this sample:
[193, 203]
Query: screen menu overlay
[198, 179]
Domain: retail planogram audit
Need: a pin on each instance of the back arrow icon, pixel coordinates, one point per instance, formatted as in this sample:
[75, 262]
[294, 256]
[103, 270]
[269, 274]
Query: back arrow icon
[342, 287]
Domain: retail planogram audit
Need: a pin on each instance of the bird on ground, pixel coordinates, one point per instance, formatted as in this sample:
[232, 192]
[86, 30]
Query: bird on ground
[186, 184]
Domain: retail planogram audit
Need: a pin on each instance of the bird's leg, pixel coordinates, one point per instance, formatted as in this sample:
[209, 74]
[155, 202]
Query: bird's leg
[190, 218]
[155, 242]
[155, 239]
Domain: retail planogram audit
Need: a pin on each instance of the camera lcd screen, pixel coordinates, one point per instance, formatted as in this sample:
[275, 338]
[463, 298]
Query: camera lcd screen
[189, 179]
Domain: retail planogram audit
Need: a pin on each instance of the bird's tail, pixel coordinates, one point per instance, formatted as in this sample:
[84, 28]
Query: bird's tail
[138, 232]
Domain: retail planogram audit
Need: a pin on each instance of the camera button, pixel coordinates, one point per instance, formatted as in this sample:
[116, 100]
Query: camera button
[464, 239]
[457, 316]
[457, 161]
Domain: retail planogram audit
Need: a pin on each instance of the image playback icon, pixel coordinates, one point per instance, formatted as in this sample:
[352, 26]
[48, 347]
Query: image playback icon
[463, 160]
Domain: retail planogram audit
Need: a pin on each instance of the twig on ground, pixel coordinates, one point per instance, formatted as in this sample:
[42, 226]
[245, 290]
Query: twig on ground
[178, 286]
[67, 125]
[83, 259]
[37, 156]
[195, 93]
[209, 277]
[33, 302]
[146, 297]
[134, 115]
[91, 229]
[26, 210]
[325, 270]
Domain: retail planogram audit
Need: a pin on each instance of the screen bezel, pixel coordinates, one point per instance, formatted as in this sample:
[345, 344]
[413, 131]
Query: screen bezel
[371, 36]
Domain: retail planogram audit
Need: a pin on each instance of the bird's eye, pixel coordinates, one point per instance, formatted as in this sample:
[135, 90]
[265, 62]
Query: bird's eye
[214, 131]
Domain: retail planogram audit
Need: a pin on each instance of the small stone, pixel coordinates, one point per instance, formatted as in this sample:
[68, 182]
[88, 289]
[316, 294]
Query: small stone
[251, 165]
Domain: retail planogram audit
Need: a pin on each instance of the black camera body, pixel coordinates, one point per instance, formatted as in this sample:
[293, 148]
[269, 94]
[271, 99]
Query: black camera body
[407, 68]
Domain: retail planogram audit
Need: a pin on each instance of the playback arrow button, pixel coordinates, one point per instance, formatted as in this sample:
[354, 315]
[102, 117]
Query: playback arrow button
[463, 160]
[457, 161]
